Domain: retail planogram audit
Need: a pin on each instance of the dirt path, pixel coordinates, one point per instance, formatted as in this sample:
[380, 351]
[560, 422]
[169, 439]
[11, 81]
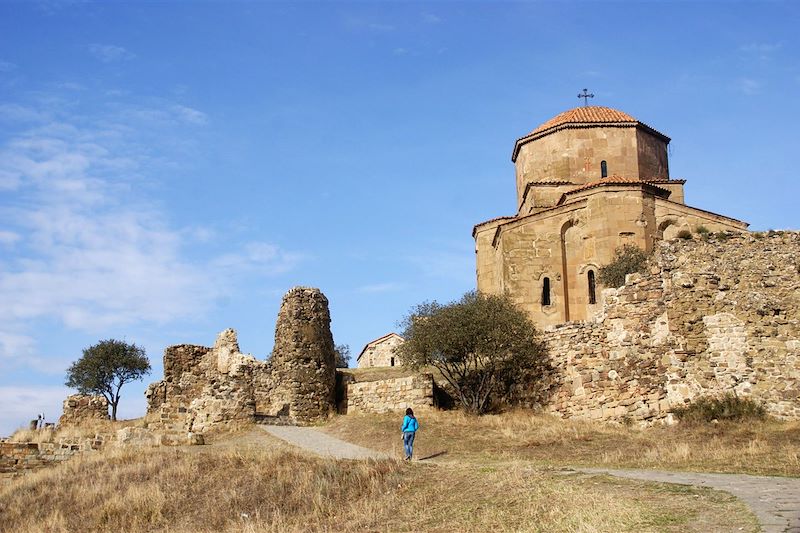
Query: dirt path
[322, 444]
[774, 500]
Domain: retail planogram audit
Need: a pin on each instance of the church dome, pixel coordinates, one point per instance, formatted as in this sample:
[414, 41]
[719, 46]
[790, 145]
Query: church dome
[585, 117]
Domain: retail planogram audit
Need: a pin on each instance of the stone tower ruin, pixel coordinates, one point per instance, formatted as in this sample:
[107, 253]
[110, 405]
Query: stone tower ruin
[303, 360]
[207, 387]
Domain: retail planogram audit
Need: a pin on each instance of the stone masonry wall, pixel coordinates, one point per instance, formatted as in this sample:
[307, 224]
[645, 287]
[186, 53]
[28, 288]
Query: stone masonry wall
[18, 457]
[711, 316]
[303, 359]
[220, 387]
[388, 395]
[79, 408]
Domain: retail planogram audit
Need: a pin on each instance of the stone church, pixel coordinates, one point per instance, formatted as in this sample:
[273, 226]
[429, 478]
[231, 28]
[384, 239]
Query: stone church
[589, 181]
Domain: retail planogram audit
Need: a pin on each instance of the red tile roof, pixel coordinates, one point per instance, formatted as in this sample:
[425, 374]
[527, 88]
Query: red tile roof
[617, 180]
[495, 219]
[589, 114]
[583, 117]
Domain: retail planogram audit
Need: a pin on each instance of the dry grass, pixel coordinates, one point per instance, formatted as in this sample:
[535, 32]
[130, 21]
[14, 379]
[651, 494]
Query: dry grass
[255, 488]
[767, 447]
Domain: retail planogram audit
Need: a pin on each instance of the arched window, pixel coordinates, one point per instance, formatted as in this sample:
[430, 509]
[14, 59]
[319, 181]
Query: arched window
[603, 169]
[592, 287]
[546, 291]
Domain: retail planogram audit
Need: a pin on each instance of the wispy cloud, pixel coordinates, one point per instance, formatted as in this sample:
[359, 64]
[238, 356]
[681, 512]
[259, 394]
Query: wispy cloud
[749, 86]
[109, 53]
[760, 48]
[430, 18]
[7, 66]
[187, 114]
[261, 257]
[19, 113]
[760, 51]
[380, 287]
[163, 114]
[24, 403]
[8, 237]
[359, 23]
[89, 250]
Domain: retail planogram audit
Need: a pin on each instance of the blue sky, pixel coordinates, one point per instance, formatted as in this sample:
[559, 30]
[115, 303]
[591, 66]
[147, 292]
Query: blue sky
[168, 170]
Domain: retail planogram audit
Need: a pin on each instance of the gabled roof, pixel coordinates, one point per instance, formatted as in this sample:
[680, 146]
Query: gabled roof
[584, 117]
[378, 341]
[620, 180]
[495, 219]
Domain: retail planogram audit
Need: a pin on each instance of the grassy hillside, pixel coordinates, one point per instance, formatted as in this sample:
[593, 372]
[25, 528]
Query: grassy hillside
[759, 447]
[252, 483]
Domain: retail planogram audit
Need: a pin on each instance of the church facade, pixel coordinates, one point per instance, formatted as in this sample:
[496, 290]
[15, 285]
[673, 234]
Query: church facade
[588, 181]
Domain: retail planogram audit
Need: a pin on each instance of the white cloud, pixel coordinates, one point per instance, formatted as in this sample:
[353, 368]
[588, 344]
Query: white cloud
[18, 113]
[6, 66]
[258, 257]
[749, 86]
[163, 114]
[109, 53]
[22, 404]
[363, 23]
[187, 114]
[8, 238]
[380, 287]
[89, 252]
[760, 48]
[15, 345]
[400, 51]
[430, 18]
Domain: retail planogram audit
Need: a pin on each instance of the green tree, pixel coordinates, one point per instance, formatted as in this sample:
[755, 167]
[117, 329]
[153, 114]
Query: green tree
[342, 352]
[627, 260]
[483, 345]
[105, 367]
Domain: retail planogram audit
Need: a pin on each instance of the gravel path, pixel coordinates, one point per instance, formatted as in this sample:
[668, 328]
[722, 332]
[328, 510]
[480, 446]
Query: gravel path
[774, 500]
[320, 443]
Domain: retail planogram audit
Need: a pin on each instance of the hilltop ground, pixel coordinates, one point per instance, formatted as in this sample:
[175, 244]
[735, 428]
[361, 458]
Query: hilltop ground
[493, 473]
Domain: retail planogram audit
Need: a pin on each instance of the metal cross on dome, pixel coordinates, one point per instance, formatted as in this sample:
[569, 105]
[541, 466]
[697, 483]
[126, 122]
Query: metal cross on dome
[586, 95]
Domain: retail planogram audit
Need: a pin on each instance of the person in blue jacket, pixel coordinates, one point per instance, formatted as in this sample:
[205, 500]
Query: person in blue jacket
[409, 429]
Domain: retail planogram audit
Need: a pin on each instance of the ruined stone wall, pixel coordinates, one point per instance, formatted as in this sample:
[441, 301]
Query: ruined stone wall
[220, 387]
[79, 408]
[711, 316]
[203, 387]
[390, 395]
[18, 457]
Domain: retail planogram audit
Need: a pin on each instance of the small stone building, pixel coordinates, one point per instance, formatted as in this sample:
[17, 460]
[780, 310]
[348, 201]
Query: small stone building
[588, 181]
[380, 352]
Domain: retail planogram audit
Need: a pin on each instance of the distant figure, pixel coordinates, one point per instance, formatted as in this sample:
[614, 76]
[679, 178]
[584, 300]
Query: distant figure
[409, 429]
[41, 420]
[34, 424]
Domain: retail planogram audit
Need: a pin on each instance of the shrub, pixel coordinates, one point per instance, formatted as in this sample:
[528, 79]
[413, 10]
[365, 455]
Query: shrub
[729, 406]
[702, 230]
[722, 236]
[627, 260]
[685, 234]
[483, 345]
